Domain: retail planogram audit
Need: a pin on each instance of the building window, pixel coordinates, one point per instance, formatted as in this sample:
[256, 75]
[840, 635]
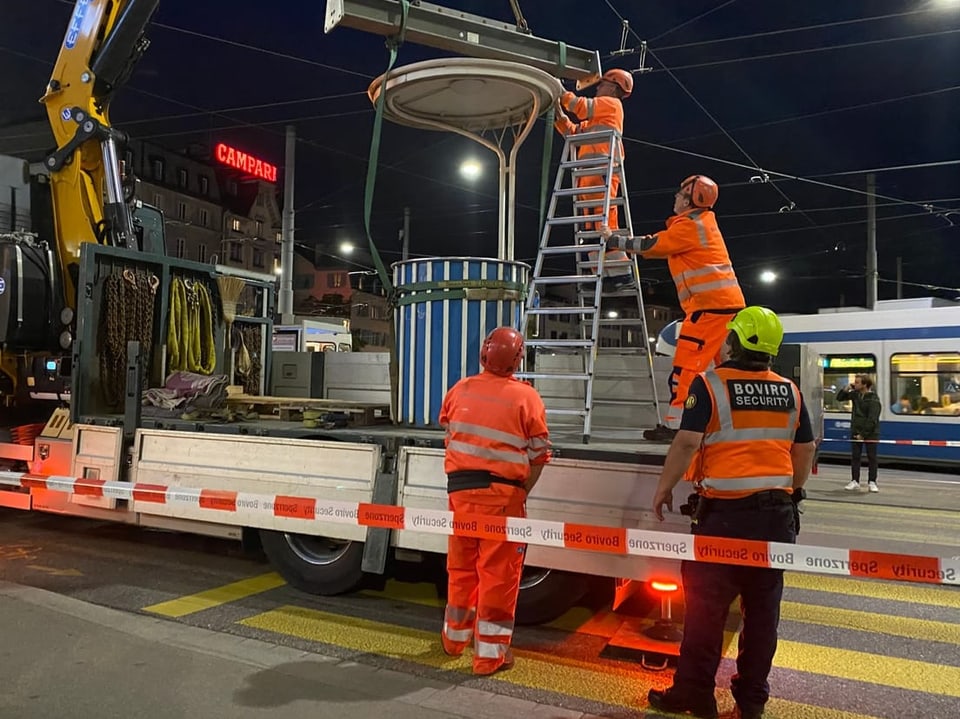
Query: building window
[156, 164]
[204, 185]
[158, 201]
[839, 371]
[128, 159]
[182, 210]
[335, 280]
[279, 237]
[235, 224]
[236, 252]
[259, 228]
[925, 383]
[232, 187]
[204, 217]
[276, 264]
[182, 178]
[181, 248]
[201, 253]
[257, 257]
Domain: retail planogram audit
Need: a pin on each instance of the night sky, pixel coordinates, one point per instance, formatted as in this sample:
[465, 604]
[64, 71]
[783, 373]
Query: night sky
[813, 90]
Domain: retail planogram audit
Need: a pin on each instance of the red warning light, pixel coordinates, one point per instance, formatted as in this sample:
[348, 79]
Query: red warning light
[666, 587]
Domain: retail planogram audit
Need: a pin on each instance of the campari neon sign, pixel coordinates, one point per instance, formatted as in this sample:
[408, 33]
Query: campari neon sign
[251, 164]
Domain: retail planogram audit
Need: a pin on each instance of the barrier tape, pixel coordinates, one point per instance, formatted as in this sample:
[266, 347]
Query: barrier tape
[914, 442]
[546, 533]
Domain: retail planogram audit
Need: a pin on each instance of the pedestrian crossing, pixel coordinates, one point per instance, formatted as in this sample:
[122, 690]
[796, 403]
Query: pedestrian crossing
[849, 648]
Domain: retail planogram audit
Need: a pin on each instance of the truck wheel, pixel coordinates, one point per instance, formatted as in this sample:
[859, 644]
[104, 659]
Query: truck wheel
[545, 594]
[316, 565]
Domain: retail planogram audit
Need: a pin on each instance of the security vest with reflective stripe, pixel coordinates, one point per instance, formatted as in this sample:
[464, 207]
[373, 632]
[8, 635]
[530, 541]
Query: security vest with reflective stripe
[699, 263]
[494, 424]
[595, 114]
[746, 446]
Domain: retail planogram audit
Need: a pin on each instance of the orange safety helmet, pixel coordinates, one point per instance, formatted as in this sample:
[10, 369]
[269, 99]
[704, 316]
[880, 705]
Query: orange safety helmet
[702, 190]
[620, 78]
[502, 351]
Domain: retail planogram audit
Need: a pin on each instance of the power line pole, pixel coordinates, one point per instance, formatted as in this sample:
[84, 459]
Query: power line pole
[285, 308]
[405, 250]
[871, 241]
[899, 278]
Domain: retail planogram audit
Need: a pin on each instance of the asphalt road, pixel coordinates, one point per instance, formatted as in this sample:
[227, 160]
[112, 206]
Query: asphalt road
[849, 648]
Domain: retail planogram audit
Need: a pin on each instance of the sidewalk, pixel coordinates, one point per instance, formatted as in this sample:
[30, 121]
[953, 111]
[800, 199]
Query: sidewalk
[61, 657]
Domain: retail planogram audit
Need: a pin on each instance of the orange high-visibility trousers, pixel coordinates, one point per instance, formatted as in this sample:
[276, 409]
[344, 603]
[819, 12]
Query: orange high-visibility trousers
[483, 581]
[701, 339]
[613, 222]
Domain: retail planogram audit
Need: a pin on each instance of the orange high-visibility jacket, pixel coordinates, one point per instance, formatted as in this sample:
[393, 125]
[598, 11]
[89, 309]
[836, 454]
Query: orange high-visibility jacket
[494, 424]
[698, 261]
[595, 114]
[747, 443]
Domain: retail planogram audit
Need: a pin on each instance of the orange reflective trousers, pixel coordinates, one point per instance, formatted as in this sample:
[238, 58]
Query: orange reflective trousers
[702, 336]
[615, 261]
[483, 581]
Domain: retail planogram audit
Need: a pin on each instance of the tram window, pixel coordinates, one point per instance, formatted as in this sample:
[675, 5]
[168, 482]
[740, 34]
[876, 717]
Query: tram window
[839, 371]
[930, 382]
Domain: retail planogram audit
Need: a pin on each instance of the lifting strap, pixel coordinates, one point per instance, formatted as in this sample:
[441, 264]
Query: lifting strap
[393, 44]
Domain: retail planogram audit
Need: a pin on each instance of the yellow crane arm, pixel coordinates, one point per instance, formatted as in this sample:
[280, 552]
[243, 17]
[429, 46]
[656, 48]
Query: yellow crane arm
[104, 39]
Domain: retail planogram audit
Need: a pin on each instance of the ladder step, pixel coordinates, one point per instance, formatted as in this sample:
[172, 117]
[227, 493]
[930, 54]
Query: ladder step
[562, 311]
[614, 202]
[564, 279]
[584, 234]
[573, 191]
[590, 138]
[568, 412]
[552, 375]
[589, 162]
[593, 172]
[606, 262]
[575, 220]
[623, 402]
[622, 321]
[570, 249]
[560, 343]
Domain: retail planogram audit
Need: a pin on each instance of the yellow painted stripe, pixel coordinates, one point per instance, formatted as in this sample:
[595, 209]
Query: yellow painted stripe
[193, 603]
[421, 593]
[858, 588]
[617, 684]
[923, 629]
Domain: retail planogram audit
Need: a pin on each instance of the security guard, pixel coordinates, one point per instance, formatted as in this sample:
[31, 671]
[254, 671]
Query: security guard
[497, 444]
[747, 441]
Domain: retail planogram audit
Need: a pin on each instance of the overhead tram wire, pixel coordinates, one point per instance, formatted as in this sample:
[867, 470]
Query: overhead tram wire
[791, 205]
[685, 22]
[784, 31]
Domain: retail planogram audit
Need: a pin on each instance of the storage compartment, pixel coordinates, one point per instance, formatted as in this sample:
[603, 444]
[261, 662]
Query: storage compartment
[29, 311]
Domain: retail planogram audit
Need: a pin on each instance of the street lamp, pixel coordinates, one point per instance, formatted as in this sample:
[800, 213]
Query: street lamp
[346, 248]
[612, 314]
[768, 277]
[471, 169]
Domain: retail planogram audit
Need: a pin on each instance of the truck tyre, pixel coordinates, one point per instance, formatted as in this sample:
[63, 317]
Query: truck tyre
[316, 565]
[546, 594]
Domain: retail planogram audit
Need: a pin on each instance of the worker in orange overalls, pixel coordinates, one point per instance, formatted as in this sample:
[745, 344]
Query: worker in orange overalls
[604, 111]
[706, 284]
[497, 444]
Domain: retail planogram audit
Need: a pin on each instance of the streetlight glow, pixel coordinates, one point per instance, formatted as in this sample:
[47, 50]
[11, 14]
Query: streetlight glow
[612, 314]
[768, 277]
[471, 169]
[346, 248]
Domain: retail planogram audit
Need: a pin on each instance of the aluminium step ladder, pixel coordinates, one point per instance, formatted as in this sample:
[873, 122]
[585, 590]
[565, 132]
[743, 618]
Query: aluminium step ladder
[568, 366]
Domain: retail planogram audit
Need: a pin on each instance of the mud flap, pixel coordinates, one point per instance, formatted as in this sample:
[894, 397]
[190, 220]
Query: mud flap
[376, 546]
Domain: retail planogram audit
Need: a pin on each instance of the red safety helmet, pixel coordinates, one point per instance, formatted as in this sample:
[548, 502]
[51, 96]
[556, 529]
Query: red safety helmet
[502, 351]
[620, 78]
[703, 191]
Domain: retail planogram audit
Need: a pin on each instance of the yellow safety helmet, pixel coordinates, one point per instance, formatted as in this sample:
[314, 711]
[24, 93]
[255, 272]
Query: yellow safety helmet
[759, 329]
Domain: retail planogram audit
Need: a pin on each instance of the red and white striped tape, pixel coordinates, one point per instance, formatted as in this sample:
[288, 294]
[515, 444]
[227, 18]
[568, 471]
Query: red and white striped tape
[913, 442]
[250, 509]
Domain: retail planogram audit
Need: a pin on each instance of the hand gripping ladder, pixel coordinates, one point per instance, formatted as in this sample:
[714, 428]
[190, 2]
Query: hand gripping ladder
[565, 369]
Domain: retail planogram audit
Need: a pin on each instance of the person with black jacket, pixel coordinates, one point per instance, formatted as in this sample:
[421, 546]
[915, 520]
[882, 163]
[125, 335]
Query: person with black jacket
[864, 429]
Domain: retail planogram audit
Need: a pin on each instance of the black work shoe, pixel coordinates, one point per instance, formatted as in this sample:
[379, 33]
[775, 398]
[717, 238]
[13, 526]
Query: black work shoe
[660, 433]
[667, 700]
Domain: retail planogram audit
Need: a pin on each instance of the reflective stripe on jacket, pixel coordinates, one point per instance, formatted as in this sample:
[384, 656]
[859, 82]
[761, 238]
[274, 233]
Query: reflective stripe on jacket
[494, 424]
[699, 263]
[595, 114]
[747, 450]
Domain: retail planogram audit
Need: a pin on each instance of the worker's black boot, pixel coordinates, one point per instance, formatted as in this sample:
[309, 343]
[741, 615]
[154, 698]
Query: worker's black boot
[668, 700]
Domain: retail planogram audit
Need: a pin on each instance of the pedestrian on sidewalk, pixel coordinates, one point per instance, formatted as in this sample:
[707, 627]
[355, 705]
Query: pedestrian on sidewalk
[864, 429]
